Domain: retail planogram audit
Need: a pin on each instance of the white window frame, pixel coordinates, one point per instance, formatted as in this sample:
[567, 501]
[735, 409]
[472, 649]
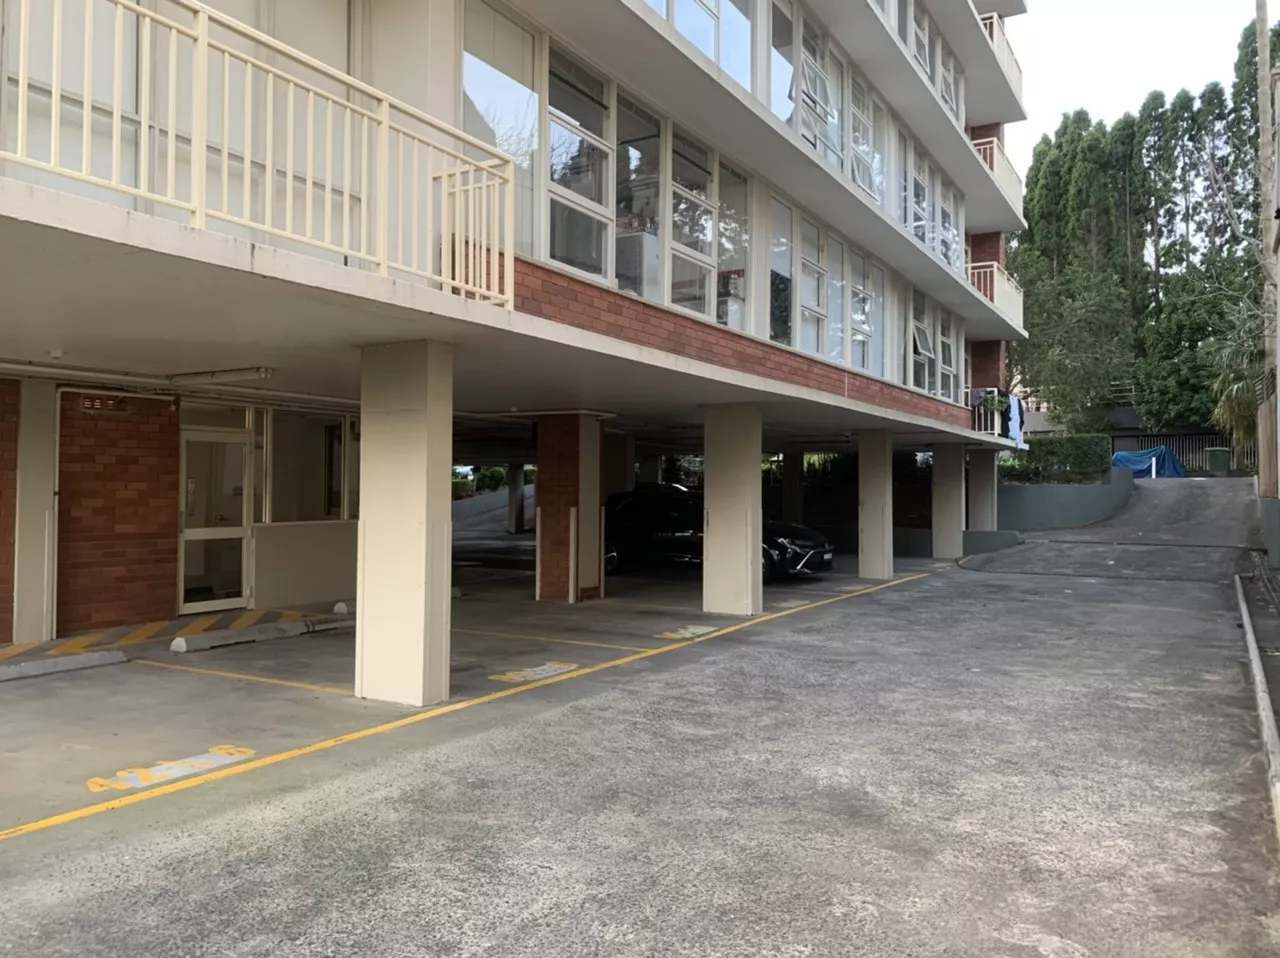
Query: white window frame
[711, 8]
[922, 355]
[921, 37]
[948, 206]
[602, 213]
[921, 172]
[821, 95]
[947, 324]
[862, 163]
[673, 249]
[818, 269]
[948, 81]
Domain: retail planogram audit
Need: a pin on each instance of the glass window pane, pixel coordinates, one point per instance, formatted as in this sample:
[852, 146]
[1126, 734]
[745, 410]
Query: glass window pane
[638, 265]
[781, 61]
[690, 165]
[577, 95]
[810, 330]
[731, 286]
[306, 467]
[353, 468]
[212, 569]
[577, 238]
[810, 242]
[214, 484]
[835, 302]
[259, 463]
[690, 284]
[813, 287]
[500, 106]
[698, 26]
[878, 337]
[693, 224]
[659, 5]
[578, 164]
[735, 39]
[780, 273]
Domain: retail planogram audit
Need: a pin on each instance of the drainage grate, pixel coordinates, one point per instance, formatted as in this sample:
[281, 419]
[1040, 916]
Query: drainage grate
[1269, 649]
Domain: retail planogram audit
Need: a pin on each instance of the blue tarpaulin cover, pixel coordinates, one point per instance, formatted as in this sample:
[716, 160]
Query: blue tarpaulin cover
[1167, 464]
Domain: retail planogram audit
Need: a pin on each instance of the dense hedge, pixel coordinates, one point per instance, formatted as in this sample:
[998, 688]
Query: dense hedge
[1059, 459]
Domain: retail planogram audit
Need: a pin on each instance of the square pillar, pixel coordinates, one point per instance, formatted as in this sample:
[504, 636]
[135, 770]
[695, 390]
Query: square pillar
[733, 537]
[406, 523]
[875, 505]
[793, 487]
[569, 555]
[948, 502]
[515, 498]
[619, 463]
[983, 483]
[34, 517]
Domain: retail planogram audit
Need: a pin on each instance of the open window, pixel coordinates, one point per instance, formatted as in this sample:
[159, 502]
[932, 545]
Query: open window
[924, 359]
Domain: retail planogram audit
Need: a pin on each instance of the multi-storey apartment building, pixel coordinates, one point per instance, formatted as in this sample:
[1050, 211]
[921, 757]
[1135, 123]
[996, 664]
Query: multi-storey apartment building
[269, 267]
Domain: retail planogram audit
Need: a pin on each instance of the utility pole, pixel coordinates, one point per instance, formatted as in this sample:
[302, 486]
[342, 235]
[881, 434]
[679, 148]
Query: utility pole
[1268, 437]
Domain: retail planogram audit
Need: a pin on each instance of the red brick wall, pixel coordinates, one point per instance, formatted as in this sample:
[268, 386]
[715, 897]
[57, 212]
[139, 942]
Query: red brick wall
[118, 507]
[9, 399]
[988, 132]
[553, 295]
[556, 493]
[987, 248]
[990, 365]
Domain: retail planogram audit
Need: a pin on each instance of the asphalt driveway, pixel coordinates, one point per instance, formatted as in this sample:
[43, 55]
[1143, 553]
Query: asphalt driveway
[1043, 756]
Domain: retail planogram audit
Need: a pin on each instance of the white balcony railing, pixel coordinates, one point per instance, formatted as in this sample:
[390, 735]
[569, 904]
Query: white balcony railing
[991, 280]
[992, 153]
[109, 99]
[1004, 52]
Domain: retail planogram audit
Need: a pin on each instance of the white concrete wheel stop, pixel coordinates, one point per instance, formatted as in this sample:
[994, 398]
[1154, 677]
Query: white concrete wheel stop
[258, 633]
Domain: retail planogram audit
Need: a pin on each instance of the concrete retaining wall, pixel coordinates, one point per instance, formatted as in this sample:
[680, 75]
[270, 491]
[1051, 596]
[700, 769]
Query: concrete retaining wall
[1035, 508]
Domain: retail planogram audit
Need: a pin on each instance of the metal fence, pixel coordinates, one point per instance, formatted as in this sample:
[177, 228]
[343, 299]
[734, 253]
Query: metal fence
[1191, 450]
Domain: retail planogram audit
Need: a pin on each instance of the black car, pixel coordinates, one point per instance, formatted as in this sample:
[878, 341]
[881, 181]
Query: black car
[663, 523]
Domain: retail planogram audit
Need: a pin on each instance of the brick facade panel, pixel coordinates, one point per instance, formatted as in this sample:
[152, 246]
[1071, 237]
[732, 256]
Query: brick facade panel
[552, 295]
[117, 513]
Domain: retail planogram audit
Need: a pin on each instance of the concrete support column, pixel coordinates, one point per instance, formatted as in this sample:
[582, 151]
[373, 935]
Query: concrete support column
[515, 498]
[569, 501]
[406, 530]
[875, 505]
[983, 480]
[34, 519]
[619, 463]
[732, 574]
[793, 487]
[650, 469]
[948, 502]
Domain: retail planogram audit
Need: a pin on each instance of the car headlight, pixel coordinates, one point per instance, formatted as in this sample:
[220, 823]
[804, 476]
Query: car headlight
[789, 545]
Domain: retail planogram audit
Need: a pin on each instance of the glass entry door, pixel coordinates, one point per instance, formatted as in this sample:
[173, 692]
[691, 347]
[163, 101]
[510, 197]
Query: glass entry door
[215, 524]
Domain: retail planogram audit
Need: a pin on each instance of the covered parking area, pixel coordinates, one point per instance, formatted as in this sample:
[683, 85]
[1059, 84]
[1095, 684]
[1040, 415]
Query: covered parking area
[417, 379]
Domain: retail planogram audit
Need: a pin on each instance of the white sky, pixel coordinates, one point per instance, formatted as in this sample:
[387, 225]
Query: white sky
[1107, 55]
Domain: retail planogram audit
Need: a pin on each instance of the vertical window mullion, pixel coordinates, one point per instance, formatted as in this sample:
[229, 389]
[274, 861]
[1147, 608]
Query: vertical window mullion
[667, 195]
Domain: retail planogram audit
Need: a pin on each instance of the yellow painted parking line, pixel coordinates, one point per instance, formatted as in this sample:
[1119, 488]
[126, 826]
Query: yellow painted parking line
[16, 649]
[247, 619]
[332, 689]
[544, 638]
[77, 645]
[142, 633]
[290, 615]
[196, 626]
[267, 760]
